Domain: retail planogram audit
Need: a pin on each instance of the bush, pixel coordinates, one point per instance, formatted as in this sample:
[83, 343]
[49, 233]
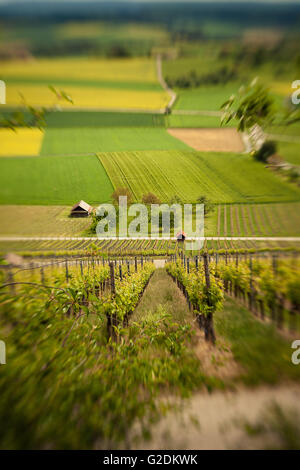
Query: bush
[294, 175]
[268, 149]
[191, 79]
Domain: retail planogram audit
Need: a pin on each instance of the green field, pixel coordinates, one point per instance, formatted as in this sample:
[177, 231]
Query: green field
[206, 98]
[65, 83]
[220, 177]
[44, 221]
[192, 121]
[85, 140]
[249, 220]
[291, 130]
[290, 151]
[53, 180]
[69, 119]
[104, 119]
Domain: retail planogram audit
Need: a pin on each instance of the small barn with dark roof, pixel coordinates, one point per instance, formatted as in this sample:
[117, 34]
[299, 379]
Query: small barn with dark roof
[81, 209]
[181, 236]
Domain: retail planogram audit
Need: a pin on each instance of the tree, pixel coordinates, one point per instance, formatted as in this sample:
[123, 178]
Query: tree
[208, 205]
[150, 198]
[175, 200]
[121, 192]
[252, 105]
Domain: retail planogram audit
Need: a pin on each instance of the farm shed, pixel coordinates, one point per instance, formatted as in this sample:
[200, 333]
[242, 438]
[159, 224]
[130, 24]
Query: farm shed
[181, 236]
[81, 209]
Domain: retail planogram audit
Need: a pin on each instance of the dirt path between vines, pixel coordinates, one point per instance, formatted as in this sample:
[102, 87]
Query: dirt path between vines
[163, 294]
[223, 419]
[219, 420]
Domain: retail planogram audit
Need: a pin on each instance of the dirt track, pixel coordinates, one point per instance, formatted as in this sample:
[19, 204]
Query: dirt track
[210, 140]
[216, 421]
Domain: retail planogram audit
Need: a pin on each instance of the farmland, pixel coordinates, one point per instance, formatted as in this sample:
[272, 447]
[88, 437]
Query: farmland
[103, 119]
[53, 180]
[97, 37]
[22, 142]
[290, 151]
[60, 248]
[221, 177]
[81, 140]
[194, 121]
[43, 220]
[210, 140]
[113, 70]
[247, 220]
[123, 83]
[106, 336]
[89, 97]
[206, 98]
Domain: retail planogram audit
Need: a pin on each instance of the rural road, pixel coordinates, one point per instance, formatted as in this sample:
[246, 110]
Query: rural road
[161, 80]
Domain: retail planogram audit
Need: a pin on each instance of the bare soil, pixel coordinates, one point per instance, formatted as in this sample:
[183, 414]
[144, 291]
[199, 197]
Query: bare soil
[218, 420]
[210, 140]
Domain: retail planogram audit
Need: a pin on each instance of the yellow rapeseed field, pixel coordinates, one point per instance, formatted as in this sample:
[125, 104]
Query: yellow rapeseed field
[23, 142]
[141, 70]
[88, 97]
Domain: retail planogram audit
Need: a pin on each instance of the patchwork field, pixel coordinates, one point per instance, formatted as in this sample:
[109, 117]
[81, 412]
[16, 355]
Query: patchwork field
[232, 220]
[210, 140]
[83, 140]
[188, 175]
[22, 142]
[53, 180]
[92, 83]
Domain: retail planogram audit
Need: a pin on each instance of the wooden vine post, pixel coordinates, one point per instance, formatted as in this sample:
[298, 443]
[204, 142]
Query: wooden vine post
[251, 296]
[42, 275]
[273, 303]
[112, 319]
[236, 290]
[10, 280]
[208, 320]
[67, 271]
